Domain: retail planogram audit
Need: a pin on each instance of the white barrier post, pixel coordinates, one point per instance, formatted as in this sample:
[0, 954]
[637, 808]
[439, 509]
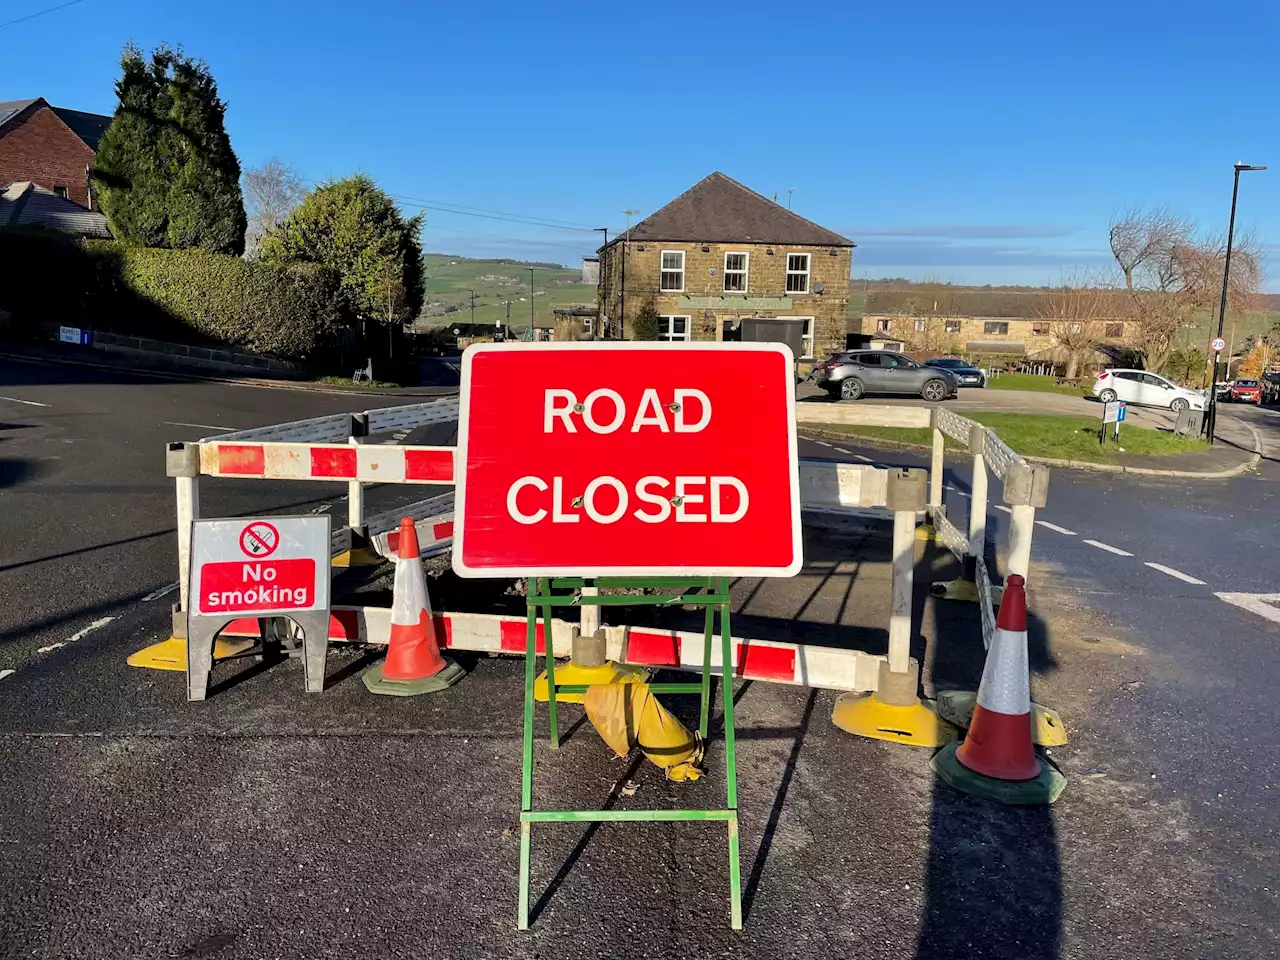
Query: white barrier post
[977, 499]
[1026, 486]
[904, 558]
[355, 490]
[182, 462]
[936, 466]
[589, 613]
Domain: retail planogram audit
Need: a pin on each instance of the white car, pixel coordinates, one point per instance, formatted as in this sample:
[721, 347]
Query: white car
[1146, 389]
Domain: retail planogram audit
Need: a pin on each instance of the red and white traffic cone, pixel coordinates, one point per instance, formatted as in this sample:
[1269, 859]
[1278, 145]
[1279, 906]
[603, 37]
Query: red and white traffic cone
[997, 759]
[414, 663]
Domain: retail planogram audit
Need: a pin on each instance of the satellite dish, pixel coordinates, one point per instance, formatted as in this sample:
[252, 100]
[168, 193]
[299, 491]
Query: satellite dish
[818, 288]
[456, 331]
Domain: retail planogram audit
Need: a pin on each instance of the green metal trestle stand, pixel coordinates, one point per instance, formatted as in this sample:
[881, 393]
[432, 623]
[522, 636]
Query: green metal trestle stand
[710, 593]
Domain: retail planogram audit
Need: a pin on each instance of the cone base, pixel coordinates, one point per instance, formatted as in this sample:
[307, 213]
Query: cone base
[375, 682]
[963, 590]
[171, 654]
[1047, 728]
[916, 724]
[1044, 789]
[573, 673]
[359, 557]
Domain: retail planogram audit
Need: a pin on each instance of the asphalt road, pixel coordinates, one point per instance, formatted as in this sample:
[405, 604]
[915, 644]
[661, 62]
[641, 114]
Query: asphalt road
[265, 822]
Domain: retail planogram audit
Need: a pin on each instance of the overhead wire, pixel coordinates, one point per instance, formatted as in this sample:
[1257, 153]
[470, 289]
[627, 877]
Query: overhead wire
[40, 13]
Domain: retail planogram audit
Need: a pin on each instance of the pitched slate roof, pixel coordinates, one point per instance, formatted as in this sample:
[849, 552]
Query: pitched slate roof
[89, 127]
[23, 204]
[718, 209]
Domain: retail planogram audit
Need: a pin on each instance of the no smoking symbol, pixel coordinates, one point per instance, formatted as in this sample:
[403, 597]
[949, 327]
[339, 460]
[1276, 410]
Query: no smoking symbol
[259, 539]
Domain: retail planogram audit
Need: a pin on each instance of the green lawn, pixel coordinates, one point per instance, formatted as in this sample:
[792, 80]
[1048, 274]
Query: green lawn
[1033, 382]
[1041, 435]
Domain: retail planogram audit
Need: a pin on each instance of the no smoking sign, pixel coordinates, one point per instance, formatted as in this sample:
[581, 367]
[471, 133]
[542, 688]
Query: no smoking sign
[259, 539]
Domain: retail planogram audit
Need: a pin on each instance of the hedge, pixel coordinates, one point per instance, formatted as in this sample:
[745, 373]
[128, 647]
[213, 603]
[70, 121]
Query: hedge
[181, 295]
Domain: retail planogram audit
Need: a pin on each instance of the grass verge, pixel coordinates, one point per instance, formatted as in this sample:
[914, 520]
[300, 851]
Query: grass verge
[346, 382]
[1035, 383]
[1042, 435]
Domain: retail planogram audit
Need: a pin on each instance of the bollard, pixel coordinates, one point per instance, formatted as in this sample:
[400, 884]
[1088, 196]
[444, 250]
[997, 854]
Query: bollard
[895, 711]
[1026, 487]
[182, 462]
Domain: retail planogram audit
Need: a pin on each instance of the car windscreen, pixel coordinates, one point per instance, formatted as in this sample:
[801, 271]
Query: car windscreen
[1246, 383]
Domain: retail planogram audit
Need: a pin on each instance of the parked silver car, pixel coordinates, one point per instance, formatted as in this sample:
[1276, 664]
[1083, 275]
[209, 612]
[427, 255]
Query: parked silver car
[847, 376]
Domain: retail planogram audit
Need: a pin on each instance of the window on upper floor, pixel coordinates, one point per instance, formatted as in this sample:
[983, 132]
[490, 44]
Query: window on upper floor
[1115, 331]
[1040, 328]
[797, 273]
[735, 272]
[672, 271]
[61, 191]
[999, 328]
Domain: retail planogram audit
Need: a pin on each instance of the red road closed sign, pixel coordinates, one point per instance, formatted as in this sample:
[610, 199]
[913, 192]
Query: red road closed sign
[599, 459]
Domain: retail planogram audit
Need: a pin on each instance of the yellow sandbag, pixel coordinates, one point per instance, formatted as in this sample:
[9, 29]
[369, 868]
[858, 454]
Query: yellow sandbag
[627, 715]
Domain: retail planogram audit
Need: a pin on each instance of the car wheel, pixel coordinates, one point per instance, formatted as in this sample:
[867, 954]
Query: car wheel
[935, 390]
[1179, 405]
[850, 389]
[1107, 396]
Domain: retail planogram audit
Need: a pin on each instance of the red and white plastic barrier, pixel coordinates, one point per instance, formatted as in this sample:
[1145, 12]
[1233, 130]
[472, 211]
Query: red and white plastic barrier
[365, 463]
[776, 661]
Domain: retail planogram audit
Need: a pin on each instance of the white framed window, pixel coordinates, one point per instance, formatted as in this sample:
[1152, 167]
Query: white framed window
[884, 325]
[797, 273]
[735, 272]
[674, 329]
[672, 271]
[586, 325]
[921, 323]
[953, 326]
[806, 337]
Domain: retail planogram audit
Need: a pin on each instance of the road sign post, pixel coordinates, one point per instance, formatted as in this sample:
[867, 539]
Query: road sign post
[265, 567]
[624, 465]
[1113, 412]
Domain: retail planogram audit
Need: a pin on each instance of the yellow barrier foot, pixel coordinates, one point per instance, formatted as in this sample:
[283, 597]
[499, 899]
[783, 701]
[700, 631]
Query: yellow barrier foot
[893, 712]
[926, 533]
[359, 557]
[1047, 728]
[573, 673]
[965, 590]
[171, 654]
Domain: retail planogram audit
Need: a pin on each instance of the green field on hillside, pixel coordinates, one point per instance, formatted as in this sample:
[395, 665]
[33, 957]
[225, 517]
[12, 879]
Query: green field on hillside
[450, 280]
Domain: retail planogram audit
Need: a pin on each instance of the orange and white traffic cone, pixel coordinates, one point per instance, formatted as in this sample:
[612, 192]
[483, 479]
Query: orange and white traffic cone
[997, 759]
[414, 663]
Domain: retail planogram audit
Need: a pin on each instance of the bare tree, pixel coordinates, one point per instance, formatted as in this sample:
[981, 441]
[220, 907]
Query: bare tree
[1076, 310]
[271, 191]
[1172, 272]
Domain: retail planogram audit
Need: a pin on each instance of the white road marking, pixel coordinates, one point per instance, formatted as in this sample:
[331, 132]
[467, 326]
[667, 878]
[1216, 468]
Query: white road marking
[401, 434]
[822, 443]
[157, 594]
[1255, 603]
[29, 403]
[1055, 528]
[7, 673]
[858, 456]
[76, 636]
[1001, 506]
[202, 426]
[844, 451]
[1109, 548]
[1174, 573]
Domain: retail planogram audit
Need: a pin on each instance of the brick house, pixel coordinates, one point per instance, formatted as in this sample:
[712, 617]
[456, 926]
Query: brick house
[721, 253]
[52, 147]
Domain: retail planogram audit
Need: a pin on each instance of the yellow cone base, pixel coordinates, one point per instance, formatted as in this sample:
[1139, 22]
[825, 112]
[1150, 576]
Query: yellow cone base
[965, 590]
[375, 682]
[572, 673]
[171, 654]
[916, 724]
[359, 557]
[1047, 728]
[1046, 787]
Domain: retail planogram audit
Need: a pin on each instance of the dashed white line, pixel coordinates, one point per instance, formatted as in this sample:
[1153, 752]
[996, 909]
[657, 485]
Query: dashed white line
[1001, 506]
[822, 443]
[29, 403]
[858, 456]
[201, 426]
[7, 673]
[80, 635]
[1109, 548]
[1055, 528]
[1255, 603]
[844, 451]
[1178, 574]
[157, 594]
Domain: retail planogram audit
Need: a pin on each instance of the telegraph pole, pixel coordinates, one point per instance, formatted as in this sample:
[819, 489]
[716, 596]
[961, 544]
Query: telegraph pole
[626, 248]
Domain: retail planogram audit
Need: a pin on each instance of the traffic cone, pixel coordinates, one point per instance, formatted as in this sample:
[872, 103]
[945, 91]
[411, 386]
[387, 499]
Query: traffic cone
[997, 759]
[413, 664]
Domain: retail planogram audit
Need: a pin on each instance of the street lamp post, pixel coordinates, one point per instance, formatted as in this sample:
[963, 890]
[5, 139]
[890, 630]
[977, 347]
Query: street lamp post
[531, 298]
[1211, 421]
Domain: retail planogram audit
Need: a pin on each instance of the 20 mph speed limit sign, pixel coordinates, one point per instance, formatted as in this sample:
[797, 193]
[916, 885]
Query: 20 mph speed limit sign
[598, 459]
[1217, 344]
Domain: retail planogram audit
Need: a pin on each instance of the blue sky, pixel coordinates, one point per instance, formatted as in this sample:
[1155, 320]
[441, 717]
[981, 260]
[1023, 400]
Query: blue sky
[978, 143]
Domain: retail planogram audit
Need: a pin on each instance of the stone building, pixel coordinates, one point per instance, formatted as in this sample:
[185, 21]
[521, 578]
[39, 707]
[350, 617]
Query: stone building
[720, 253]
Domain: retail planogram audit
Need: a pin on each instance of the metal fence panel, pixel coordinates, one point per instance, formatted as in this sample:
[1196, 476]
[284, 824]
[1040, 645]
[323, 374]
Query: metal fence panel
[331, 429]
[953, 425]
[409, 416]
[950, 536]
[999, 455]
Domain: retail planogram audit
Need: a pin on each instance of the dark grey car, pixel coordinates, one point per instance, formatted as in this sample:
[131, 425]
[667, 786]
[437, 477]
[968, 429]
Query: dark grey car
[847, 376]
